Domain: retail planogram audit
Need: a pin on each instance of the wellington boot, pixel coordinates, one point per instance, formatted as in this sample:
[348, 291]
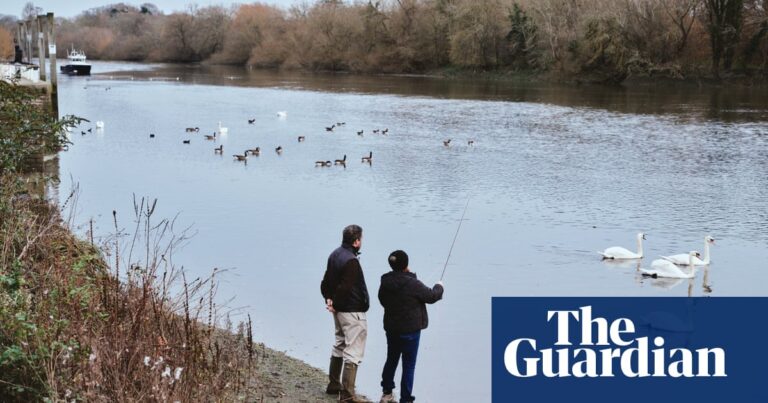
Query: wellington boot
[348, 385]
[334, 376]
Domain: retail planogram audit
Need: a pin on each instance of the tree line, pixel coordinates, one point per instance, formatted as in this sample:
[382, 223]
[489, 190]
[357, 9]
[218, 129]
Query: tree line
[606, 40]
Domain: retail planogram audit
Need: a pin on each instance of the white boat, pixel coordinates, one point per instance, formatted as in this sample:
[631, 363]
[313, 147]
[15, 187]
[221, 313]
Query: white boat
[77, 65]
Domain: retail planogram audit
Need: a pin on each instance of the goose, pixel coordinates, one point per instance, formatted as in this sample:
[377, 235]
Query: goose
[219, 149]
[330, 129]
[682, 258]
[342, 161]
[665, 268]
[617, 252]
[241, 157]
[223, 130]
[254, 151]
[251, 121]
[375, 131]
[82, 132]
[369, 158]
[279, 149]
[185, 141]
[323, 163]
[192, 129]
[211, 137]
[447, 142]
[385, 131]
[470, 142]
[360, 133]
[301, 138]
[90, 130]
[282, 114]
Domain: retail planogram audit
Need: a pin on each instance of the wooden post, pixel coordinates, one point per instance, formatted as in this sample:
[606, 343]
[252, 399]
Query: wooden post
[28, 28]
[52, 51]
[41, 48]
[19, 36]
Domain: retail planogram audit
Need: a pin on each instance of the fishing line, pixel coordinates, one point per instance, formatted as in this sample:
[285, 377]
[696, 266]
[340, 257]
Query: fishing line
[454, 239]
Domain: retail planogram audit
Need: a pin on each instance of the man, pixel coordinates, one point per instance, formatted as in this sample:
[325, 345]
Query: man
[346, 297]
[403, 297]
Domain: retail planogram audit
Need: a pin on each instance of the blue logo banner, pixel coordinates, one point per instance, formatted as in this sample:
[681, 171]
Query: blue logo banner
[606, 349]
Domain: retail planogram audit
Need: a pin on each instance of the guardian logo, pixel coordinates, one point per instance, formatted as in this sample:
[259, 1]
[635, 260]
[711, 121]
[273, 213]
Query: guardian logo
[630, 356]
[629, 349]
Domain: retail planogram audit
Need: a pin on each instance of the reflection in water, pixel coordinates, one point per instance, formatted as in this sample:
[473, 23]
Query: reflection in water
[555, 174]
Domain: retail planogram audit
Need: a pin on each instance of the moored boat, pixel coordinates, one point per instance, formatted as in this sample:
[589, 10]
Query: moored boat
[77, 65]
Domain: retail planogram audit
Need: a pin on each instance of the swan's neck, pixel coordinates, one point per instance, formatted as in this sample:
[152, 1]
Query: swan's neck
[706, 252]
[640, 246]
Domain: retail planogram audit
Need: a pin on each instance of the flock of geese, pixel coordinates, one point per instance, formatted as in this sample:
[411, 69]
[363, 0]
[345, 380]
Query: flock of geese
[682, 265]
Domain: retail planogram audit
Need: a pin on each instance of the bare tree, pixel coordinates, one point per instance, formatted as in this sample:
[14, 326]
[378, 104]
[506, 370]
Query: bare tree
[683, 14]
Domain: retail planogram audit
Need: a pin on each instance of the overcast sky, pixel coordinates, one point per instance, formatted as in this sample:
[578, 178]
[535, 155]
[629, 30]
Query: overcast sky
[70, 8]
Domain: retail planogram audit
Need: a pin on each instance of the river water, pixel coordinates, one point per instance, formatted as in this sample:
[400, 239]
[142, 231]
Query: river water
[555, 174]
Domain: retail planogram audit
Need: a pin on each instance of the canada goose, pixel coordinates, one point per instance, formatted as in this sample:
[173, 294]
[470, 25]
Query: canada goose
[301, 138]
[342, 161]
[279, 149]
[151, 135]
[251, 121]
[211, 137]
[369, 158]
[330, 129]
[447, 142]
[90, 130]
[385, 131]
[322, 163]
[241, 157]
[82, 132]
[375, 131]
[360, 133]
[254, 151]
[192, 129]
[470, 142]
[185, 141]
[219, 149]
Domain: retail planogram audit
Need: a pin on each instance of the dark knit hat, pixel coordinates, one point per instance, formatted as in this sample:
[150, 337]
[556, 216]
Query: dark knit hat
[398, 260]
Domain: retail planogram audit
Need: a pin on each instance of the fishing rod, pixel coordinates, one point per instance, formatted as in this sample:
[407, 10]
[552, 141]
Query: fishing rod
[454, 239]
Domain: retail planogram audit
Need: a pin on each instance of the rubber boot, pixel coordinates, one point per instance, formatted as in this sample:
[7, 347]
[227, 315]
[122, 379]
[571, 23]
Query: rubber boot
[348, 385]
[334, 376]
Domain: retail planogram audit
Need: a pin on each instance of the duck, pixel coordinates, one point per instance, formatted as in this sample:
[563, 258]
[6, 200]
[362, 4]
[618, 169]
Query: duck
[219, 149]
[385, 131]
[223, 130]
[330, 129]
[301, 138]
[375, 131]
[470, 142]
[617, 252]
[279, 149]
[241, 157]
[447, 142]
[665, 268]
[342, 161]
[323, 163]
[211, 137]
[151, 135]
[360, 133]
[251, 121]
[254, 151]
[682, 258]
[369, 158]
[185, 141]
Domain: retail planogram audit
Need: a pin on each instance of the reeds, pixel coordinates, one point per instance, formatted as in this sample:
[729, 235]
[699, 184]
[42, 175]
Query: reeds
[114, 320]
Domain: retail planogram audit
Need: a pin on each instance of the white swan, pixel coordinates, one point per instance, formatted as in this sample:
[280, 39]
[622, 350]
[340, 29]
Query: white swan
[99, 124]
[682, 258]
[222, 130]
[282, 114]
[665, 268]
[617, 252]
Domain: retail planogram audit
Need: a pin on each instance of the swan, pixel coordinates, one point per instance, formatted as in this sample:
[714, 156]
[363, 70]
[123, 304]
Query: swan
[222, 130]
[617, 252]
[665, 268]
[282, 114]
[99, 124]
[682, 258]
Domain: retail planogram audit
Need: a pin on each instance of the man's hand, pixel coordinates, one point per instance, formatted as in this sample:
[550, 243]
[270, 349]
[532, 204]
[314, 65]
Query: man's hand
[329, 305]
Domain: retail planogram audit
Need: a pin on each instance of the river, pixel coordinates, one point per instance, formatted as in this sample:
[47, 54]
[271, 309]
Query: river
[555, 174]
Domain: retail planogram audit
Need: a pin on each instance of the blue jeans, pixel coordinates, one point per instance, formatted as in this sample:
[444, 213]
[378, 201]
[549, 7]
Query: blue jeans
[407, 346]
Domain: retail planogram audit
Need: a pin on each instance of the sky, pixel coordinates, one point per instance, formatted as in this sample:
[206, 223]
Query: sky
[70, 8]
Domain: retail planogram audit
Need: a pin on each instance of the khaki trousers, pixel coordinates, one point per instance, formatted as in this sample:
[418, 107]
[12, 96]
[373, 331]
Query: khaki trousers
[351, 334]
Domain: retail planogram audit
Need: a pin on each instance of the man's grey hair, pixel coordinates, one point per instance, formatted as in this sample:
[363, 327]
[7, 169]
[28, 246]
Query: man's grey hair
[351, 234]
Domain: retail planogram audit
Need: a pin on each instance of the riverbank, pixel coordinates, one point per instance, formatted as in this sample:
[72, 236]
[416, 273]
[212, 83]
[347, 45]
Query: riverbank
[70, 330]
